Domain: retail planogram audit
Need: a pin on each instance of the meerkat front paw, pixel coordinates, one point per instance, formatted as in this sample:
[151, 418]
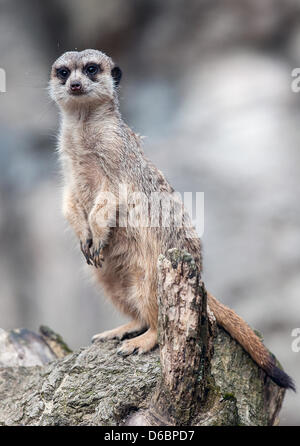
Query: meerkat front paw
[139, 345]
[86, 250]
[97, 253]
[92, 252]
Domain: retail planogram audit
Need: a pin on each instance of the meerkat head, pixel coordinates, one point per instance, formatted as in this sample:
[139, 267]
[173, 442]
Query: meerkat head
[83, 78]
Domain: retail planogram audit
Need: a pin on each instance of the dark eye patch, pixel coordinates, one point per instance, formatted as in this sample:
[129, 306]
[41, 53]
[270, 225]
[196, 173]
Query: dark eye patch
[63, 73]
[92, 69]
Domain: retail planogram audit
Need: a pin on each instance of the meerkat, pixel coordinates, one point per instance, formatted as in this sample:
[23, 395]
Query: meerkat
[98, 152]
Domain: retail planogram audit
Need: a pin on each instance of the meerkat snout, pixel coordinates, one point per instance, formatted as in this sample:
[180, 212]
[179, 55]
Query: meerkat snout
[76, 87]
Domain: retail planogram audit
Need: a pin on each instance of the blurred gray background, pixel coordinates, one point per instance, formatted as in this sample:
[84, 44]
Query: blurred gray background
[209, 84]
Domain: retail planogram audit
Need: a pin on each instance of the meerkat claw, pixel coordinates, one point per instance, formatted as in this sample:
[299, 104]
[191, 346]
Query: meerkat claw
[85, 249]
[124, 352]
[97, 255]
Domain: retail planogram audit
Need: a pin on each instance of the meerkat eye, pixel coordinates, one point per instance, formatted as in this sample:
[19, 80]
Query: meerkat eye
[63, 73]
[92, 69]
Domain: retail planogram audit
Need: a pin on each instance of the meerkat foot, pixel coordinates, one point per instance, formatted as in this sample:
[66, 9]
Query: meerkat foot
[141, 344]
[120, 332]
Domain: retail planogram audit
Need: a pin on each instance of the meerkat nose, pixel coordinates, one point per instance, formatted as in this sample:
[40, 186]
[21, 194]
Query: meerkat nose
[76, 86]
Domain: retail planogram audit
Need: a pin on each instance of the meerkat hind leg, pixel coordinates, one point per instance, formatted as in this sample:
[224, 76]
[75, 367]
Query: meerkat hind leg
[141, 344]
[120, 332]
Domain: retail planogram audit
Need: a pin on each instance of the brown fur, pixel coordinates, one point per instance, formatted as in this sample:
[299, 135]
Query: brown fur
[98, 152]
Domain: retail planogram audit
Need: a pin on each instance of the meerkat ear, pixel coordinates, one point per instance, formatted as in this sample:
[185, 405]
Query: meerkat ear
[116, 75]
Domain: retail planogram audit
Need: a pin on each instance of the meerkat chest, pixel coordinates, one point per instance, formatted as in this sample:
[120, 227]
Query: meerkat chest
[80, 167]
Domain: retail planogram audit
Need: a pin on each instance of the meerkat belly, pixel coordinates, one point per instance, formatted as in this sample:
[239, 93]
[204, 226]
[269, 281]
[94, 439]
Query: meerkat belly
[127, 254]
[129, 271]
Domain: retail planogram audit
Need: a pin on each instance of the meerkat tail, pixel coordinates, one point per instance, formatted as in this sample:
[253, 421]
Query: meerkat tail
[246, 337]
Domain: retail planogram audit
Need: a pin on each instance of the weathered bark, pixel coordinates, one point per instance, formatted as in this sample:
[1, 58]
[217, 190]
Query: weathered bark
[202, 377]
[185, 343]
